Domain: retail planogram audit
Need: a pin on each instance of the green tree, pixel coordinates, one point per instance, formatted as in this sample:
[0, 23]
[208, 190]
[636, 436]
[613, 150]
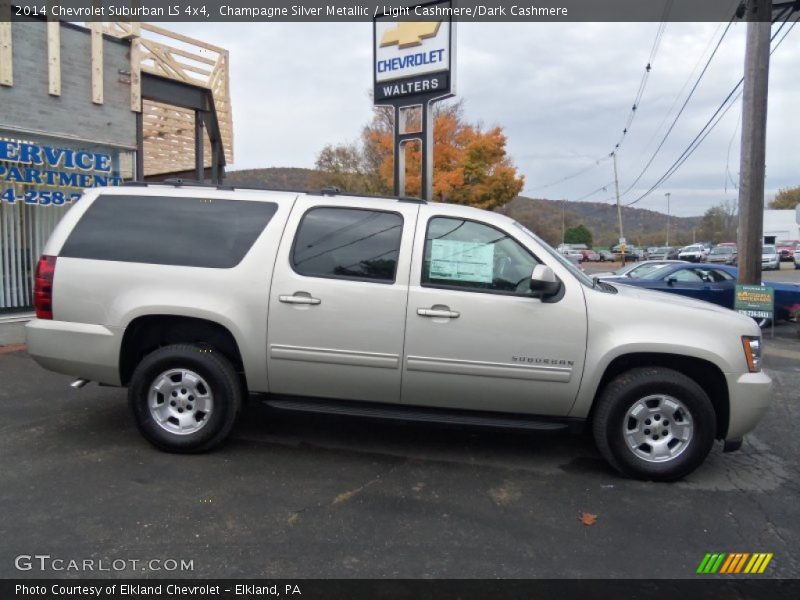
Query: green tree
[786, 198]
[718, 223]
[579, 234]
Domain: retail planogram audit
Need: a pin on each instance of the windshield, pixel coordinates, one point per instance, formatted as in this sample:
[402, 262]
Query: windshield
[570, 266]
[722, 250]
[657, 273]
[768, 250]
[693, 249]
[643, 270]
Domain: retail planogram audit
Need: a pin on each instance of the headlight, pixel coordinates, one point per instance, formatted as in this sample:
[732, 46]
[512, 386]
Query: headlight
[752, 352]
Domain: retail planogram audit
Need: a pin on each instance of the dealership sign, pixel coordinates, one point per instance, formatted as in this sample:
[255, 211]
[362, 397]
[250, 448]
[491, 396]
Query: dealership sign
[34, 166]
[414, 58]
[755, 301]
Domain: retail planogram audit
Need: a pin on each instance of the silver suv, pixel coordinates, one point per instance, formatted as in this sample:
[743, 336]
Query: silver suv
[196, 298]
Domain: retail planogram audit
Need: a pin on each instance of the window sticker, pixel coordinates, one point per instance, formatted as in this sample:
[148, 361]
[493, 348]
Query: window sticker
[462, 261]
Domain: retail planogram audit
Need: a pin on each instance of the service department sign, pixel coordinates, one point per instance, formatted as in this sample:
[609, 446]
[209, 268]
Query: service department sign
[414, 58]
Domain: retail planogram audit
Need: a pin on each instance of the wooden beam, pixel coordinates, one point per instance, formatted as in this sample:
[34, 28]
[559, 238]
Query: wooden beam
[97, 62]
[54, 57]
[136, 75]
[6, 48]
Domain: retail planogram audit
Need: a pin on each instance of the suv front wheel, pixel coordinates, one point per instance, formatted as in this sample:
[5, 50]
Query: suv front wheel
[185, 398]
[654, 423]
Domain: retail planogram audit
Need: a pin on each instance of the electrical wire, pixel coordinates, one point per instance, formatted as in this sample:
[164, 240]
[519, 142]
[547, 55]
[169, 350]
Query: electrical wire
[597, 162]
[645, 76]
[680, 112]
[711, 123]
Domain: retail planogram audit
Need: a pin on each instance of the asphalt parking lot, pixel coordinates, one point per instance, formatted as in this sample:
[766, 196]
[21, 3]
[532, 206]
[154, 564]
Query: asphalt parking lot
[302, 496]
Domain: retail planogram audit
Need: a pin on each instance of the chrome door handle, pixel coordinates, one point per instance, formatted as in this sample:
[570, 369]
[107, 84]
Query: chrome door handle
[300, 298]
[441, 313]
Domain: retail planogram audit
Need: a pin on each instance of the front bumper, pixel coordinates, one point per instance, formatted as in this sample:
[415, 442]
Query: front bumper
[749, 397]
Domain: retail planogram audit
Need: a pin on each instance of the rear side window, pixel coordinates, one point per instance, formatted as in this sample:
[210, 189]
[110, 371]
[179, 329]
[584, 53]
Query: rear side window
[348, 243]
[164, 230]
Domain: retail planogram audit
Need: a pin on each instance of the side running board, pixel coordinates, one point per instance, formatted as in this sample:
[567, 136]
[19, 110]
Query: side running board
[421, 414]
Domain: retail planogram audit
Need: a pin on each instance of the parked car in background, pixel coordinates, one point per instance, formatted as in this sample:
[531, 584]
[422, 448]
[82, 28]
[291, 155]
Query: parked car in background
[694, 253]
[638, 269]
[573, 255]
[797, 258]
[663, 253]
[630, 253]
[712, 283]
[725, 255]
[770, 259]
[590, 255]
[734, 244]
[786, 248]
[606, 256]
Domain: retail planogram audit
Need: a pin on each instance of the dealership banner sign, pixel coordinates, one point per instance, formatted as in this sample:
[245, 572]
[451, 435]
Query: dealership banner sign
[31, 167]
[755, 301]
[413, 58]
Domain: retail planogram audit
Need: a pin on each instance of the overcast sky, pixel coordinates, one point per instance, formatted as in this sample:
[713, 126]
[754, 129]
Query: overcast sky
[562, 92]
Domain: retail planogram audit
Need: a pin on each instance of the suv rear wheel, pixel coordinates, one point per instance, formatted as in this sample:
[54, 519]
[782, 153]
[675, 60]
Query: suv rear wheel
[185, 398]
[654, 423]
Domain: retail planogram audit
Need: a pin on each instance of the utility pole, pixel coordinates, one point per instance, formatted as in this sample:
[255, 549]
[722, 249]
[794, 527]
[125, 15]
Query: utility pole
[668, 194]
[622, 243]
[754, 140]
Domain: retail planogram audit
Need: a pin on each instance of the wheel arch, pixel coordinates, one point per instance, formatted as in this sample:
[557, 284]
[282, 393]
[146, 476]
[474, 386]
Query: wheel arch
[147, 333]
[703, 372]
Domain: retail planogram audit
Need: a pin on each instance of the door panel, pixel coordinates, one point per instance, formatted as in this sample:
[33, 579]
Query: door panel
[505, 350]
[336, 318]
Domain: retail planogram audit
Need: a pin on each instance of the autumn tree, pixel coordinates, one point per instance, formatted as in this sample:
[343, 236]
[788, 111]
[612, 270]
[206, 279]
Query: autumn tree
[347, 167]
[470, 163]
[786, 198]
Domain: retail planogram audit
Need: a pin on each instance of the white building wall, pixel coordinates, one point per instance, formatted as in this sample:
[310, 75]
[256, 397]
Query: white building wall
[782, 224]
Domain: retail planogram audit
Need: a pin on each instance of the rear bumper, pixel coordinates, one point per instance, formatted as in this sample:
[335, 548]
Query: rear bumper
[749, 396]
[77, 349]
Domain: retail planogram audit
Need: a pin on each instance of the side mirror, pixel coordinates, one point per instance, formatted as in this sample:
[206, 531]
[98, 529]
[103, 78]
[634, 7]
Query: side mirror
[671, 281]
[544, 282]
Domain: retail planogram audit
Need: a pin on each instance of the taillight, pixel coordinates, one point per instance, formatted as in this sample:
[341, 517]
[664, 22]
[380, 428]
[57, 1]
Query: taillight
[43, 287]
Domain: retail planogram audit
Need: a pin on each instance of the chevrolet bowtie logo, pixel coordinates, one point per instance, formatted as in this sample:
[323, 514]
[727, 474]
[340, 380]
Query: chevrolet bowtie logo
[410, 33]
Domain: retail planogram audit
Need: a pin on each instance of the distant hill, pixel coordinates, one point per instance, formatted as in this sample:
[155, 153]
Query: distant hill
[642, 227]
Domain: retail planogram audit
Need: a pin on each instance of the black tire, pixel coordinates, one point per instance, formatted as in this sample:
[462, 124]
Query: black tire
[628, 388]
[222, 380]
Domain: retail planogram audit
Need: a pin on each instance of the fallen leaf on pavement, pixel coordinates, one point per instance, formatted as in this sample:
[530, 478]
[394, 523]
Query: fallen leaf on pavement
[588, 519]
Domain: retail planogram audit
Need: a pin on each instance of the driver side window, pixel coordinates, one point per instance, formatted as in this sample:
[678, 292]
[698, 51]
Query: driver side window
[686, 276]
[475, 257]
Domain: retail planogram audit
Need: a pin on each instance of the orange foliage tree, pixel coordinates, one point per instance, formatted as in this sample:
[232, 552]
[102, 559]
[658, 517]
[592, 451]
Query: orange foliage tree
[470, 165]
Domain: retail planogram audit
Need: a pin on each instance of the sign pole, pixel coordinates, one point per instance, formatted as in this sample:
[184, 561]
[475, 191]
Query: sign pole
[412, 69]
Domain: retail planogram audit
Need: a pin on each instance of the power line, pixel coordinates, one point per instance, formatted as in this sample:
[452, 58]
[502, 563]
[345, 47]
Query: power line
[710, 124]
[602, 188]
[645, 76]
[686, 83]
[597, 162]
[680, 112]
[636, 102]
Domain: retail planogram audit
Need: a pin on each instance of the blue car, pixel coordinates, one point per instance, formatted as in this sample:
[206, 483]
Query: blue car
[712, 283]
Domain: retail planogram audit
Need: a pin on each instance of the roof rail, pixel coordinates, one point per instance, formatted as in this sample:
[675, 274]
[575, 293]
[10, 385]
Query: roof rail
[325, 191]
